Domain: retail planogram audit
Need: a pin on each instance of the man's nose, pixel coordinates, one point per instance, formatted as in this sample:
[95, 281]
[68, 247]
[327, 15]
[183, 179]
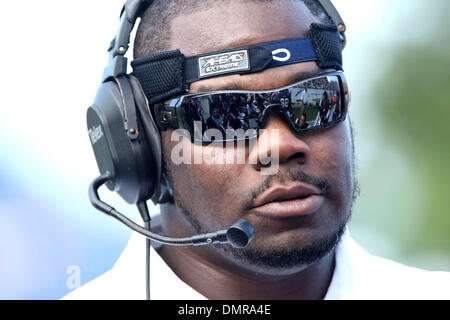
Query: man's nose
[278, 142]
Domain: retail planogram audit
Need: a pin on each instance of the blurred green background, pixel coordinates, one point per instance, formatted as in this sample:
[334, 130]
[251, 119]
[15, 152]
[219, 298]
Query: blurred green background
[401, 117]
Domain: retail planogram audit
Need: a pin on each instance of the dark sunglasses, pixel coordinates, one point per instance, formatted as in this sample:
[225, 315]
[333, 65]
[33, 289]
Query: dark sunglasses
[219, 116]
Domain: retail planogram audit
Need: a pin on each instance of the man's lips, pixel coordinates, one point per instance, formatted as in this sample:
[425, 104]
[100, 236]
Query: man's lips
[282, 201]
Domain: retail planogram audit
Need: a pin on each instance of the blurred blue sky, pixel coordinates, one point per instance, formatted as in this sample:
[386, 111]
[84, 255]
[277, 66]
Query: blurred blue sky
[55, 59]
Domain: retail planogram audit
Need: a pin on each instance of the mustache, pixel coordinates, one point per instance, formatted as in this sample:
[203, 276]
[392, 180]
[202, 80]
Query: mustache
[323, 184]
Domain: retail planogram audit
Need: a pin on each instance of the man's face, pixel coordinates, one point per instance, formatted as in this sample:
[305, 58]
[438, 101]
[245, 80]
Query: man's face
[302, 120]
[213, 196]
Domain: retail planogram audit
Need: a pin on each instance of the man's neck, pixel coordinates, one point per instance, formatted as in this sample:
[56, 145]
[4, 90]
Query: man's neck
[221, 282]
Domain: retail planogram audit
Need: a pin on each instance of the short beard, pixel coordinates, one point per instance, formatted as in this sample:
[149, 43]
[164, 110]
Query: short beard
[279, 261]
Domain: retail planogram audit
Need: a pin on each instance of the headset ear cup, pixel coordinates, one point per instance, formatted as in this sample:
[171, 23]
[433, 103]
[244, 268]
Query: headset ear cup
[161, 190]
[117, 148]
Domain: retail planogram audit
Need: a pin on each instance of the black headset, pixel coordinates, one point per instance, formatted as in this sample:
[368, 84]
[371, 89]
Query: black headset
[123, 133]
[130, 152]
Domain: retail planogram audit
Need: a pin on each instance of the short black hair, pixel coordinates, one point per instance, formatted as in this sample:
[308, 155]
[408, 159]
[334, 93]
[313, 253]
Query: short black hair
[158, 16]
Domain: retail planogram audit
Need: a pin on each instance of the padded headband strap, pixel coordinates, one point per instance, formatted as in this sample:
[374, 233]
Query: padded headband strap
[168, 74]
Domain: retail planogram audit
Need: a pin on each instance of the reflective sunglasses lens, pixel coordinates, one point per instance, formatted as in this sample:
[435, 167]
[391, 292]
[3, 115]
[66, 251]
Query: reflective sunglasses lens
[307, 105]
[316, 103]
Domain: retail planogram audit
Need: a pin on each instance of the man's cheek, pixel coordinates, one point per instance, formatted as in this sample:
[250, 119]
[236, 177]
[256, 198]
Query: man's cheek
[337, 161]
[332, 148]
[206, 193]
[323, 158]
[193, 182]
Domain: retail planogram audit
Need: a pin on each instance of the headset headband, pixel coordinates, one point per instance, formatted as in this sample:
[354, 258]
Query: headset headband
[132, 10]
[332, 12]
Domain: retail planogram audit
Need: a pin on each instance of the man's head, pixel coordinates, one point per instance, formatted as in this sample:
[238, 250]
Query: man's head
[160, 24]
[318, 164]
[302, 119]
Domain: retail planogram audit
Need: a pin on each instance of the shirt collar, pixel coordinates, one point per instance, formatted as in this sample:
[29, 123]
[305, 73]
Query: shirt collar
[342, 282]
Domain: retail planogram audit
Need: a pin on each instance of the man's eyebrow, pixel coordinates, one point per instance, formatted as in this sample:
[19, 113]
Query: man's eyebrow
[297, 77]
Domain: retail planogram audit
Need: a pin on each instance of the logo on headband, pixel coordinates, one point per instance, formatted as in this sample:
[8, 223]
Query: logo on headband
[223, 63]
[285, 55]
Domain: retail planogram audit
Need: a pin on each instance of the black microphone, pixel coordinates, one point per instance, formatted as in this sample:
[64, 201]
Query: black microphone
[239, 234]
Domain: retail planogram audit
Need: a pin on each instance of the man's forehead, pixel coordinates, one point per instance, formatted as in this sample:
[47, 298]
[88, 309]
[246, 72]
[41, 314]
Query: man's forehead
[240, 23]
[243, 23]
[265, 80]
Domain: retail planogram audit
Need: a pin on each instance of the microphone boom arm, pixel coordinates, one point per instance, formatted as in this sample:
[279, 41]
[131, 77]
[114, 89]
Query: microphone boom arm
[239, 235]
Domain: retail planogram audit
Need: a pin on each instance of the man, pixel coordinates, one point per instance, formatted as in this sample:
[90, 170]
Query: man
[324, 108]
[215, 121]
[302, 248]
[302, 121]
[286, 101]
[304, 97]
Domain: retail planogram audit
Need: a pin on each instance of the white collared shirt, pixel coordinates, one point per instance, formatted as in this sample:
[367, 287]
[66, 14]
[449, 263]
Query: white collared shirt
[357, 275]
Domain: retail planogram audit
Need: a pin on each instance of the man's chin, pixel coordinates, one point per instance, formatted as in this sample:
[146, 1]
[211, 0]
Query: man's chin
[282, 260]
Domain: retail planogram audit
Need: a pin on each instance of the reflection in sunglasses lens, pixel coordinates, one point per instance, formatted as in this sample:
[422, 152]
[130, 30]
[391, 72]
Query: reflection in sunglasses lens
[234, 116]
